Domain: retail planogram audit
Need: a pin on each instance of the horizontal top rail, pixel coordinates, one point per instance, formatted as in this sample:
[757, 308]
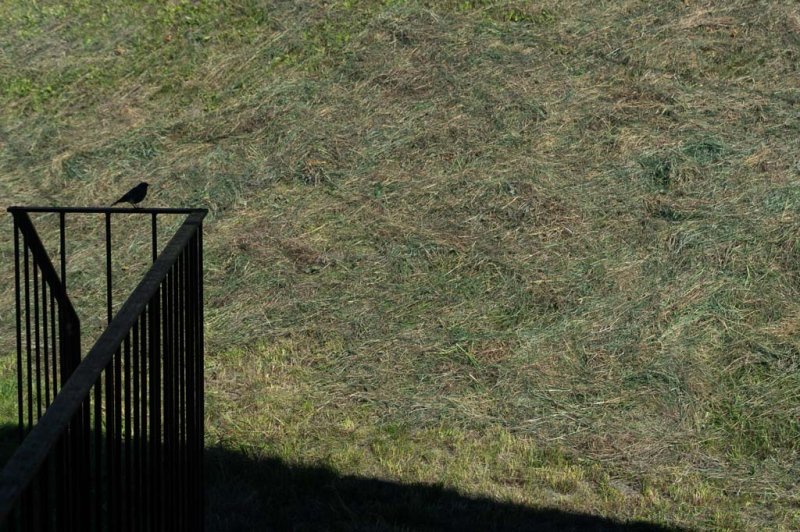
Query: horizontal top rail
[29, 457]
[105, 210]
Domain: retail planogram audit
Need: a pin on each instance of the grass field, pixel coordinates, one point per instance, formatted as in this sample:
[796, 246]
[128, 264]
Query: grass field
[544, 253]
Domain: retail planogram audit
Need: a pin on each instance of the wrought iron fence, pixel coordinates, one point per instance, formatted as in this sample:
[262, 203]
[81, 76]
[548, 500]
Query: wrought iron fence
[48, 328]
[113, 441]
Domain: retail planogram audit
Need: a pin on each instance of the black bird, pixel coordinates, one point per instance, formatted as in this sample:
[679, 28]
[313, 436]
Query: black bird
[134, 195]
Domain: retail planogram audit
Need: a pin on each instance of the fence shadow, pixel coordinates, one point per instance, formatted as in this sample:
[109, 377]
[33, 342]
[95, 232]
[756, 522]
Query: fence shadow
[245, 494]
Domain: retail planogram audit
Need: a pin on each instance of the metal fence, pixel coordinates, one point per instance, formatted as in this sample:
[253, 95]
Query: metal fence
[113, 441]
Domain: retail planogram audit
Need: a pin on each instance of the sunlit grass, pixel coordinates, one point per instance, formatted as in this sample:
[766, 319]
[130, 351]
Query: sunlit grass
[545, 252]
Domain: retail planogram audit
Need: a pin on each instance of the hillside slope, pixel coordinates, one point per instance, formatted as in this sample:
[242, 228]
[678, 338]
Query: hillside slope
[543, 252]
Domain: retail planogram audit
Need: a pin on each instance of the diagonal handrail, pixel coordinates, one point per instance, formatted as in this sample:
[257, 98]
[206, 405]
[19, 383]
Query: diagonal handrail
[41, 257]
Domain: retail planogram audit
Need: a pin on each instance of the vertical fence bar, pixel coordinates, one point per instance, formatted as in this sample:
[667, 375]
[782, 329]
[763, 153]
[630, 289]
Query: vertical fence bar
[64, 483]
[78, 470]
[200, 371]
[46, 473]
[58, 358]
[83, 464]
[37, 348]
[98, 455]
[60, 476]
[134, 444]
[168, 399]
[18, 302]
[75, 344]
[156, 477]
[155, 411]
[188, 464]
[154, 235]
[143, 450]
[55, 342]
[191, 383]
[118, 438]
[72, 440]
[173, 325]
[189, 388]
[126, 414]
[180, 488]
[28, 335]
[182, 389]
[74, 470]
[71, 471]
[108, 266]
[25, 514]
[63, 363]
[111, 508]
[45, 346]
[62, 232]
[175, 396]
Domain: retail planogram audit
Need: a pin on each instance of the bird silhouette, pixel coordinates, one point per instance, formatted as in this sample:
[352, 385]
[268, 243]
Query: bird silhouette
[134, 195]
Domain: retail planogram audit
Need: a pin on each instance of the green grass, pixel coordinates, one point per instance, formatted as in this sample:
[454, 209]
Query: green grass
[541, 252]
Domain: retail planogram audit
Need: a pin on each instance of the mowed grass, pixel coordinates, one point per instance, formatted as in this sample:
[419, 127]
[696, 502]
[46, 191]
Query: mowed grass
[542, 252]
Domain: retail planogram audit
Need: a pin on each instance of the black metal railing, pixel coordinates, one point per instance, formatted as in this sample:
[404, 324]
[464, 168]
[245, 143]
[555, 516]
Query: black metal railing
[48, 328]
[118, 445]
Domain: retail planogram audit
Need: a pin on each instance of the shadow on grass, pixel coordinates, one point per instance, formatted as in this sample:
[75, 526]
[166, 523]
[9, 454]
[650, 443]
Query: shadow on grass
[265, 494]
[245, 494]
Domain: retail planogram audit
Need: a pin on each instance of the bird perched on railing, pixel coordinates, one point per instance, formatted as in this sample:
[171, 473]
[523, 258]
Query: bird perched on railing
[135, 195]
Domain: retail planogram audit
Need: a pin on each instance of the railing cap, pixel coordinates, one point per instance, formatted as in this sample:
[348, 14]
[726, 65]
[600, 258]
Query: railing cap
[108, 210]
